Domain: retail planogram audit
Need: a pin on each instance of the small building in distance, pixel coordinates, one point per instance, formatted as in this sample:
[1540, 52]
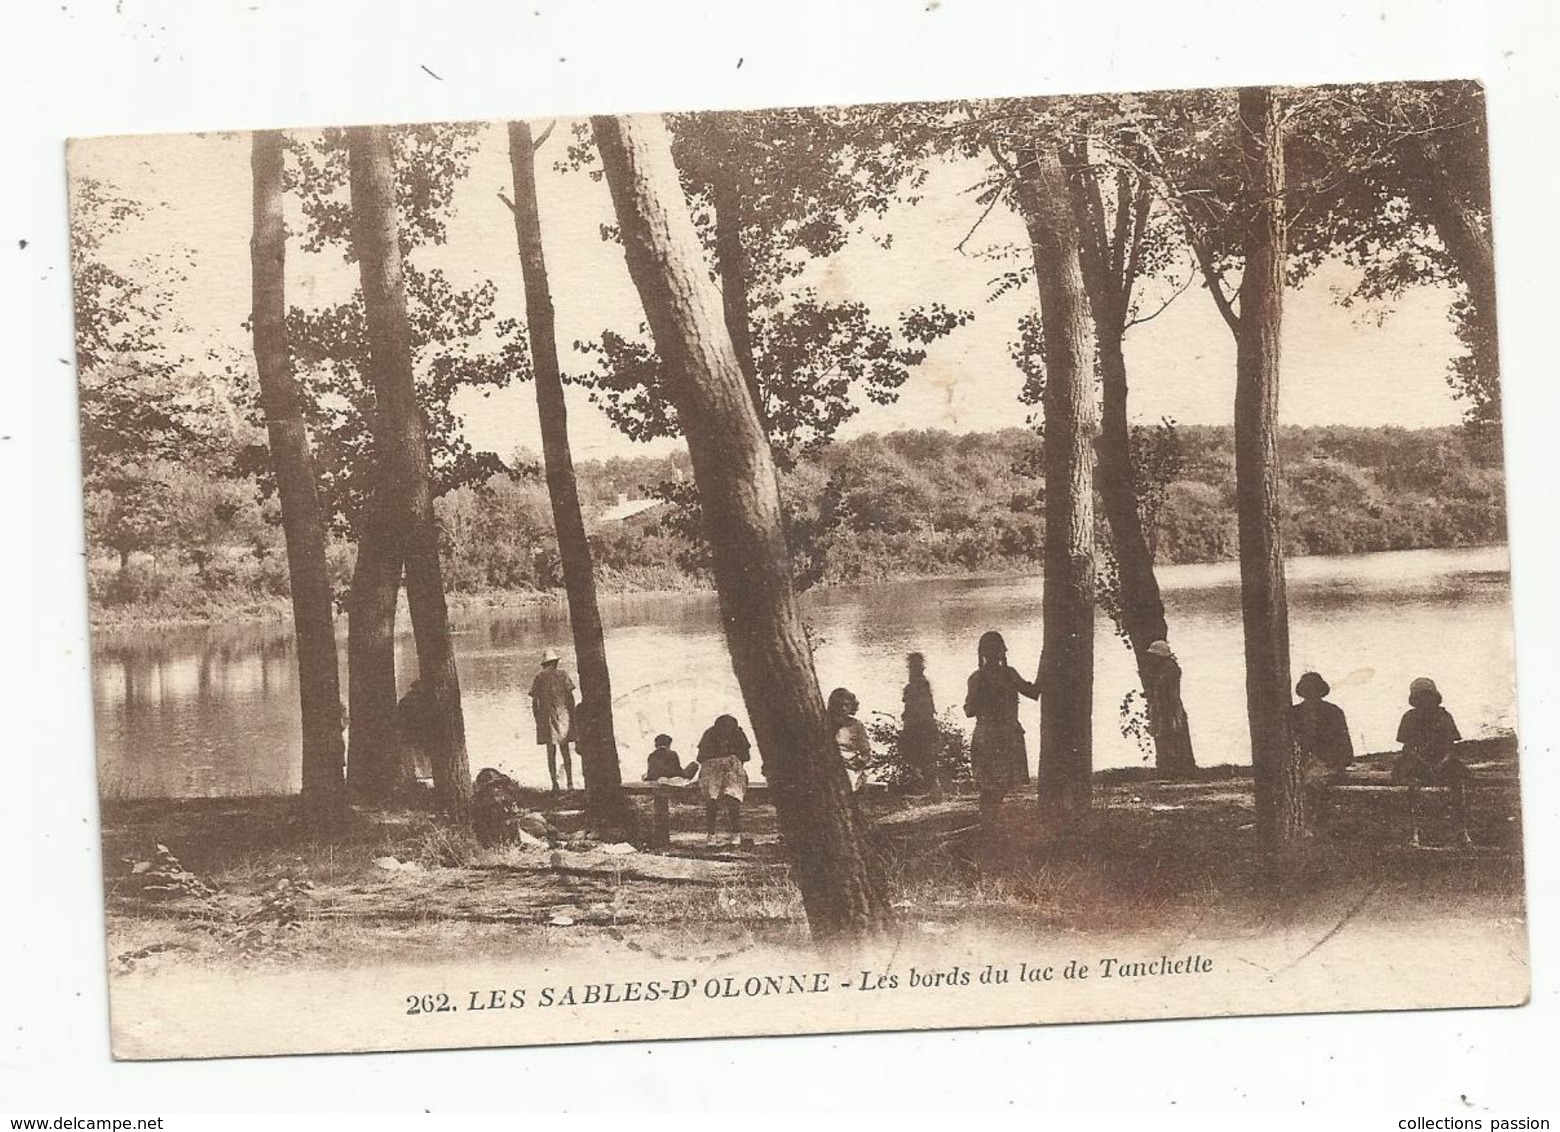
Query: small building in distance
[626, 508]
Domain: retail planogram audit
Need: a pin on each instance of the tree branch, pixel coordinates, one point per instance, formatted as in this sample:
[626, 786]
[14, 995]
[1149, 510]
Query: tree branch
[1123, 231]
[1179, 291]
[1176, 203]
[996, 199]
[1093, 232]
[1088, 208]
[1142, 205]
[1212, 277]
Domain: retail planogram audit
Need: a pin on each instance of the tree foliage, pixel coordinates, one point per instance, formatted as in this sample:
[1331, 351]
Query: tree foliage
[152, 420]
[1393, 173]
[809, 181]
[1390, 178]
[459, 339]
[139, 401]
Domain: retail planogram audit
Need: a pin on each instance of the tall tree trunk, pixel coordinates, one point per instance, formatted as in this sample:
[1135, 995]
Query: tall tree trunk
[377, 768]
[1264, 605]
[607, 804]
[303, 522]
[401, 453]
[1067, 661]
[740, 498]
[1109, 258]
[732, 266]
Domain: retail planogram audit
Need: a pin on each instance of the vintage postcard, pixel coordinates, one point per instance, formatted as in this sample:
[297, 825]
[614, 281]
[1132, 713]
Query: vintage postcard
[927, 565]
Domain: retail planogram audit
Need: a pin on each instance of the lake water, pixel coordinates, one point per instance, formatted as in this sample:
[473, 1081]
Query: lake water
[210, 711]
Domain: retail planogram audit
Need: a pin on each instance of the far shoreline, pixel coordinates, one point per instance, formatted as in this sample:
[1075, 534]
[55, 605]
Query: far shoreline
[131, 618]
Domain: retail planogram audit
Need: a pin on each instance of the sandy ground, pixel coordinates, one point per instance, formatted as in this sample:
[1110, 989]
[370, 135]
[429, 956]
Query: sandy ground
[328, 945]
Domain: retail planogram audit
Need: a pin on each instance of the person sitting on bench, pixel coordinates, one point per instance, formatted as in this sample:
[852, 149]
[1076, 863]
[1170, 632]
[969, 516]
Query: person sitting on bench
[1428, 733]
[666, 763]
[1321, 732]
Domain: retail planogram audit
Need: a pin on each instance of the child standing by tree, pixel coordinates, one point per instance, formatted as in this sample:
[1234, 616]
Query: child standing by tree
[997, 748]
[850, 737]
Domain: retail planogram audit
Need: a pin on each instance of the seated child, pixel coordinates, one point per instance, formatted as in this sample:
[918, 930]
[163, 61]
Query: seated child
[1321, 734]
[1427, 734]
[665, 762]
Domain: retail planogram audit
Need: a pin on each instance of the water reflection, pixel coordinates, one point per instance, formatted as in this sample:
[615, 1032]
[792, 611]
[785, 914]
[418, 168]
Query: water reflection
[197, 711]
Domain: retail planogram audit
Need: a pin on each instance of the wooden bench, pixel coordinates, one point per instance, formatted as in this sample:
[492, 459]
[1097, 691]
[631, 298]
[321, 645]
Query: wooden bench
[661, 794]
[1377, 785]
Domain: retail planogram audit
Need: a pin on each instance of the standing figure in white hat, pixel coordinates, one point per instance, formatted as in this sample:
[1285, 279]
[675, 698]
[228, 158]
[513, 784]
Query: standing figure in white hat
[552, 702]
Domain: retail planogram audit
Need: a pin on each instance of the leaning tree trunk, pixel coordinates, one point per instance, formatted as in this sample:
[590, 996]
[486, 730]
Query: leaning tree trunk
[733, 269]
[1264, 605]
[740, 498]
[401, 454]
[303, 521]
[1142, 607]
[608, 806]
[1111, 258]
[1460, 214]
[377, 768]
[1067, 658]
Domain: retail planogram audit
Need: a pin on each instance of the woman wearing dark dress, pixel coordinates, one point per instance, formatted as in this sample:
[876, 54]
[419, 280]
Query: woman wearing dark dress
[997, 750]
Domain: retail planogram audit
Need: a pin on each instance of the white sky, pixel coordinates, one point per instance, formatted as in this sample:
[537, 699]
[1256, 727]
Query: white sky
[1340, 366]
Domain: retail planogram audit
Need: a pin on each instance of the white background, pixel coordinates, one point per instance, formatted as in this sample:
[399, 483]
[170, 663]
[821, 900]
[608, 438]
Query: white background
[78, 68]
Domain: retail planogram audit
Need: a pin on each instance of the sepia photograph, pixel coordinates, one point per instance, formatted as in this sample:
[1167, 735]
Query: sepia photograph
[910, 565]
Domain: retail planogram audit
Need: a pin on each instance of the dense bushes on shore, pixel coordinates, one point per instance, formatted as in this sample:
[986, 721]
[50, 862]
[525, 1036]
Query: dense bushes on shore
[925, 503]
